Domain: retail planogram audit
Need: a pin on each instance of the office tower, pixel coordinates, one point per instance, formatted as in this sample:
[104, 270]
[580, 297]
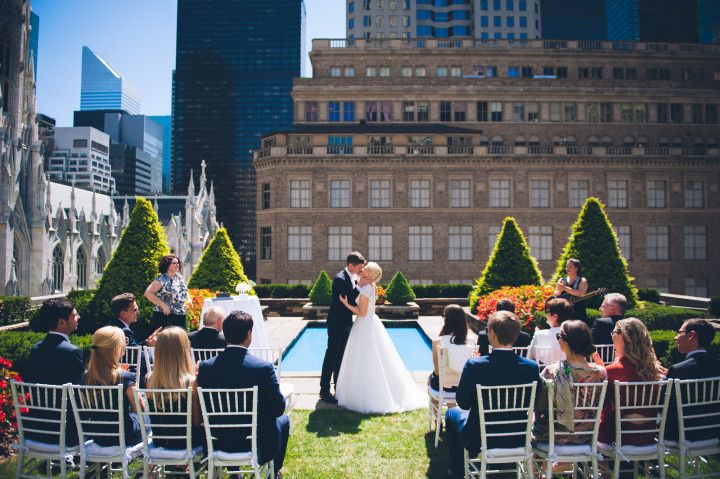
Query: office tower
[34, 40]
[574, 19]
[102, 87]
[81, 157]
[46, 130]
[482, 19]
[235, 66]
[653, 20]
[709, 21]
[166, 122]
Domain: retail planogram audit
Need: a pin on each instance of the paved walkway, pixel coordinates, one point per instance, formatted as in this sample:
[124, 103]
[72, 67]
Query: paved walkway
[281, 331]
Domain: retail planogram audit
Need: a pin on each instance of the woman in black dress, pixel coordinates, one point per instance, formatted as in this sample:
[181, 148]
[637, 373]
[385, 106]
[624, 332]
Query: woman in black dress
[572, 287]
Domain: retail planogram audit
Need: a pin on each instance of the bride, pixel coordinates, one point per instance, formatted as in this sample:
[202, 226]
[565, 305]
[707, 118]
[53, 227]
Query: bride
[373, 378]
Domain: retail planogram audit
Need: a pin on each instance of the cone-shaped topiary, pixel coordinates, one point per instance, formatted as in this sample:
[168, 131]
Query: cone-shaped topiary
[321, 292]
[594, 243]
[219, 268]
[399, 292]
[510, 263]
[133, 266]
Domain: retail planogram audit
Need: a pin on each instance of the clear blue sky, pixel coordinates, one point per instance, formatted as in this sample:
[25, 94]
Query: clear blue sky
[135, 36]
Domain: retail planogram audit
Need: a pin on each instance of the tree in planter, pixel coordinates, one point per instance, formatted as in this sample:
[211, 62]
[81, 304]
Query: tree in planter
[399, 292]
[510, 263]
[321, 292]
[220, 268]
[133, 266]
[594, 243]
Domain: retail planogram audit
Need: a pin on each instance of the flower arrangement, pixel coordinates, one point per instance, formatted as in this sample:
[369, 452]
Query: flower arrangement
[529, 303]
[245, 287]
[381, 295]
[198, 298]
[8, 421]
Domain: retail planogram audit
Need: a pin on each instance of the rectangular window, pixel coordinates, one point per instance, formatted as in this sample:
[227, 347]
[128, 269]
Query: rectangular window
[339, 242]
[379, 193]
[583, 72]
[456, 72]
[406, 72]
[460, 243]
[299, 193]
[677, 113]
[694, 194]
[540, 240]
[695, 241]
[384, 72]
[661, 284]
[618, 73]
[420, 243]
[266, 196]
[696, 287]
[518, 112]
[311, 111]
[349, 111]
[336, 71]
[265, 242]
[371, 71]
[656, 191]
[482, 111]
[459, 110]
[445, 111]
[340, 145]
[380, 243]
[624, 241]
[299, 243]
[340, 194]
[349, 72]
[527, 72]
[696, 111]
[606, 112]
[579, 192]
[510, 23]
[493, 233]
[334, 111]
[423, 111]
[657, 242]
[420, 193]
[499, 193]
[408, 111]
[569, 110]
[533, 111]
[442, 71]
[663, 113]
[496, 111]
[592, 112]
[555, 111]
[513, 71]
[617, 193]
[420, 71]
[596, 73]
[539, 193]
[459, 193]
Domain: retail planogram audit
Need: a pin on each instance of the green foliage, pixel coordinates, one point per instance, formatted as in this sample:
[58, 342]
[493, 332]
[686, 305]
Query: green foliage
[133, 266]
[659, 317]
[16, 346]
[666, 348]
[82, 298]
[510, 263]
[442, 290]
[399, 292]
[321, 291]
[594, 243]
[14, 309]
[219, 268]
[282, 290]
[649, 294]
[715, 306]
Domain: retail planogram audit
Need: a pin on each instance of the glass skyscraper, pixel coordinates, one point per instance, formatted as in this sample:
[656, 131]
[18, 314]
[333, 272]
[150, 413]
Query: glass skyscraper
[102, 87]
[672, 21]
[574, 19]
[709, 21]
[166, 122]
[235, 64]
[34, 40]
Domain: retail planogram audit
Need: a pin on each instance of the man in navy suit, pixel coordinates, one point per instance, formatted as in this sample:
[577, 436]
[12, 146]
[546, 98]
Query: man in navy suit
[501, 367]
[236, 368]
[210, 335]
[125, 312]
[613, 310]
[693, 339]
[55, 360]
[522, 341]
[339, 321]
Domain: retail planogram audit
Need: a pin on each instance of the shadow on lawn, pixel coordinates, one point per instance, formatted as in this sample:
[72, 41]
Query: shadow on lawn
[329, 422]
[438, 465]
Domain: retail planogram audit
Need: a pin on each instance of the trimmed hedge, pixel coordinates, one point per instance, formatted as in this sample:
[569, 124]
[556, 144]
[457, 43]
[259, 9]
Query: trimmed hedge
[16, 346]
[442, 290]
[715, 306]
[666, 348]
[659, 317]
[219, 268]
[14, 309]
[649, 294]
[321, 292]
[399, 292]
[282, 290]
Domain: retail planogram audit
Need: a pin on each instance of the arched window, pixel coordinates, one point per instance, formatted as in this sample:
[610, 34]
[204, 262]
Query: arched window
[484, 140]
[534, 141]
[570, 141]
[606, 141]
[58, 268]
[520, 141]
[642, 142]
[677, 142]
[664, 142]
[593, 141]
[17, 259]
[100, 261]
[629, 141]
[81, 263]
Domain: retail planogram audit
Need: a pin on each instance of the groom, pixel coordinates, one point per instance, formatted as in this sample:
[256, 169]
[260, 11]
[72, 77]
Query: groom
[339, 321]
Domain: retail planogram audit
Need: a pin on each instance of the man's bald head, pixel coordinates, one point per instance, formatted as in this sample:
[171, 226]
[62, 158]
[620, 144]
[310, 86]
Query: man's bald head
[213, 318]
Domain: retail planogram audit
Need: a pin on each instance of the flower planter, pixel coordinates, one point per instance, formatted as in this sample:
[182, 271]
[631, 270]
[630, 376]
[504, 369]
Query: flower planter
[389, 311]
[310, 311]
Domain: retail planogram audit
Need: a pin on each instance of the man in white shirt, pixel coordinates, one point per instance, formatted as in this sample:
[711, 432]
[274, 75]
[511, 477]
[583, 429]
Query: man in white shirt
[544, 347]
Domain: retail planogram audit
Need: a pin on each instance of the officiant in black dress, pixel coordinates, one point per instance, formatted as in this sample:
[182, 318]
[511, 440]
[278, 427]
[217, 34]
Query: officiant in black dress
[572, 287]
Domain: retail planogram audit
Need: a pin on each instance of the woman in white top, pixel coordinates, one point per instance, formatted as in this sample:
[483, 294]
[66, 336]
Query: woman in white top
[544, 347]
[453, 339]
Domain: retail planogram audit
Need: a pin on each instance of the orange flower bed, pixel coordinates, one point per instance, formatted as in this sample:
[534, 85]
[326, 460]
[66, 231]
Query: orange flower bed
[529, 303]
[198, 299]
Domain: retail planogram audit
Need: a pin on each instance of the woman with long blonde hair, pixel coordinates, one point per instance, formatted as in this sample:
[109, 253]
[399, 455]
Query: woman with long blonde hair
[635, 361]
[108, 346]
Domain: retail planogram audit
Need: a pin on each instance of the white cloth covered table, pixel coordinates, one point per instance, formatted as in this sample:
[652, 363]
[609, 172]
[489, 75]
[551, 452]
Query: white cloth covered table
[243, 302]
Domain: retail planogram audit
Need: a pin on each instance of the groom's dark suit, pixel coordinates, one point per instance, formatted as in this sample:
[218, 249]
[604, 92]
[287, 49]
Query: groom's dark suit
[339, 323]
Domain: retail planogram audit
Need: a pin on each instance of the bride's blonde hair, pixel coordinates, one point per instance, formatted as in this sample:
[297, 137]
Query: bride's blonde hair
[375, 271]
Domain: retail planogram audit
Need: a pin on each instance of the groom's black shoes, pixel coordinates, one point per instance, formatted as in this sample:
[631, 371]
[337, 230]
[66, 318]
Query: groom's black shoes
[328, 398]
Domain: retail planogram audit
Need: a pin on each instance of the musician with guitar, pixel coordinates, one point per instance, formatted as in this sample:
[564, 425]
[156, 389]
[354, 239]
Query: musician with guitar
[573, 287]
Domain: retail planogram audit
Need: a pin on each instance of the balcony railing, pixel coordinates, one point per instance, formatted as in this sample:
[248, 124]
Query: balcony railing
[381, 150]
[460, 150]
[500, 150]
[420, 149]
[695, 151]
[619, 150]
[299, 150]
[540, 150]
[657, 151]
[339, 150]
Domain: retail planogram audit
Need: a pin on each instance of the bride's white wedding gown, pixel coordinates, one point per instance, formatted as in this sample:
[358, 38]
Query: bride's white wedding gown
[373, 377]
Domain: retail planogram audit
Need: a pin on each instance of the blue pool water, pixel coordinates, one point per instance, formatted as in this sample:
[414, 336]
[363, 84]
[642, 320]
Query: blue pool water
[308, 350]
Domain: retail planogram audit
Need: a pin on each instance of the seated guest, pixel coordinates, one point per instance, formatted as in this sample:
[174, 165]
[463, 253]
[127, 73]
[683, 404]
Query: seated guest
[55, 360]
[210, 335]
[236, 368]
[108, 345]
[173, 369]
[634, 361]
[453, 339]
[125, 310]
[544, 346]
[501, 367]
[613, 310]
[693, 339]
[521, 342]
[575, 341]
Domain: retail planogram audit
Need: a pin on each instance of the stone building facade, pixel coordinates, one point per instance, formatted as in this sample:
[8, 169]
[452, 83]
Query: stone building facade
[418, 169]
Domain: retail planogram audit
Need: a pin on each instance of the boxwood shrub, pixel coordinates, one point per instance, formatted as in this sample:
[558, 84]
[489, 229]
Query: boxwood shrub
[442, 290]
[321, 292]
[16, 346]
[659, 317]
[649, 294]
[279, 290]
[14, 309]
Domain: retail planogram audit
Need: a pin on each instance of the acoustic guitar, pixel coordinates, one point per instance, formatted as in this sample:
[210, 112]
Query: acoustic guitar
[577, 299]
